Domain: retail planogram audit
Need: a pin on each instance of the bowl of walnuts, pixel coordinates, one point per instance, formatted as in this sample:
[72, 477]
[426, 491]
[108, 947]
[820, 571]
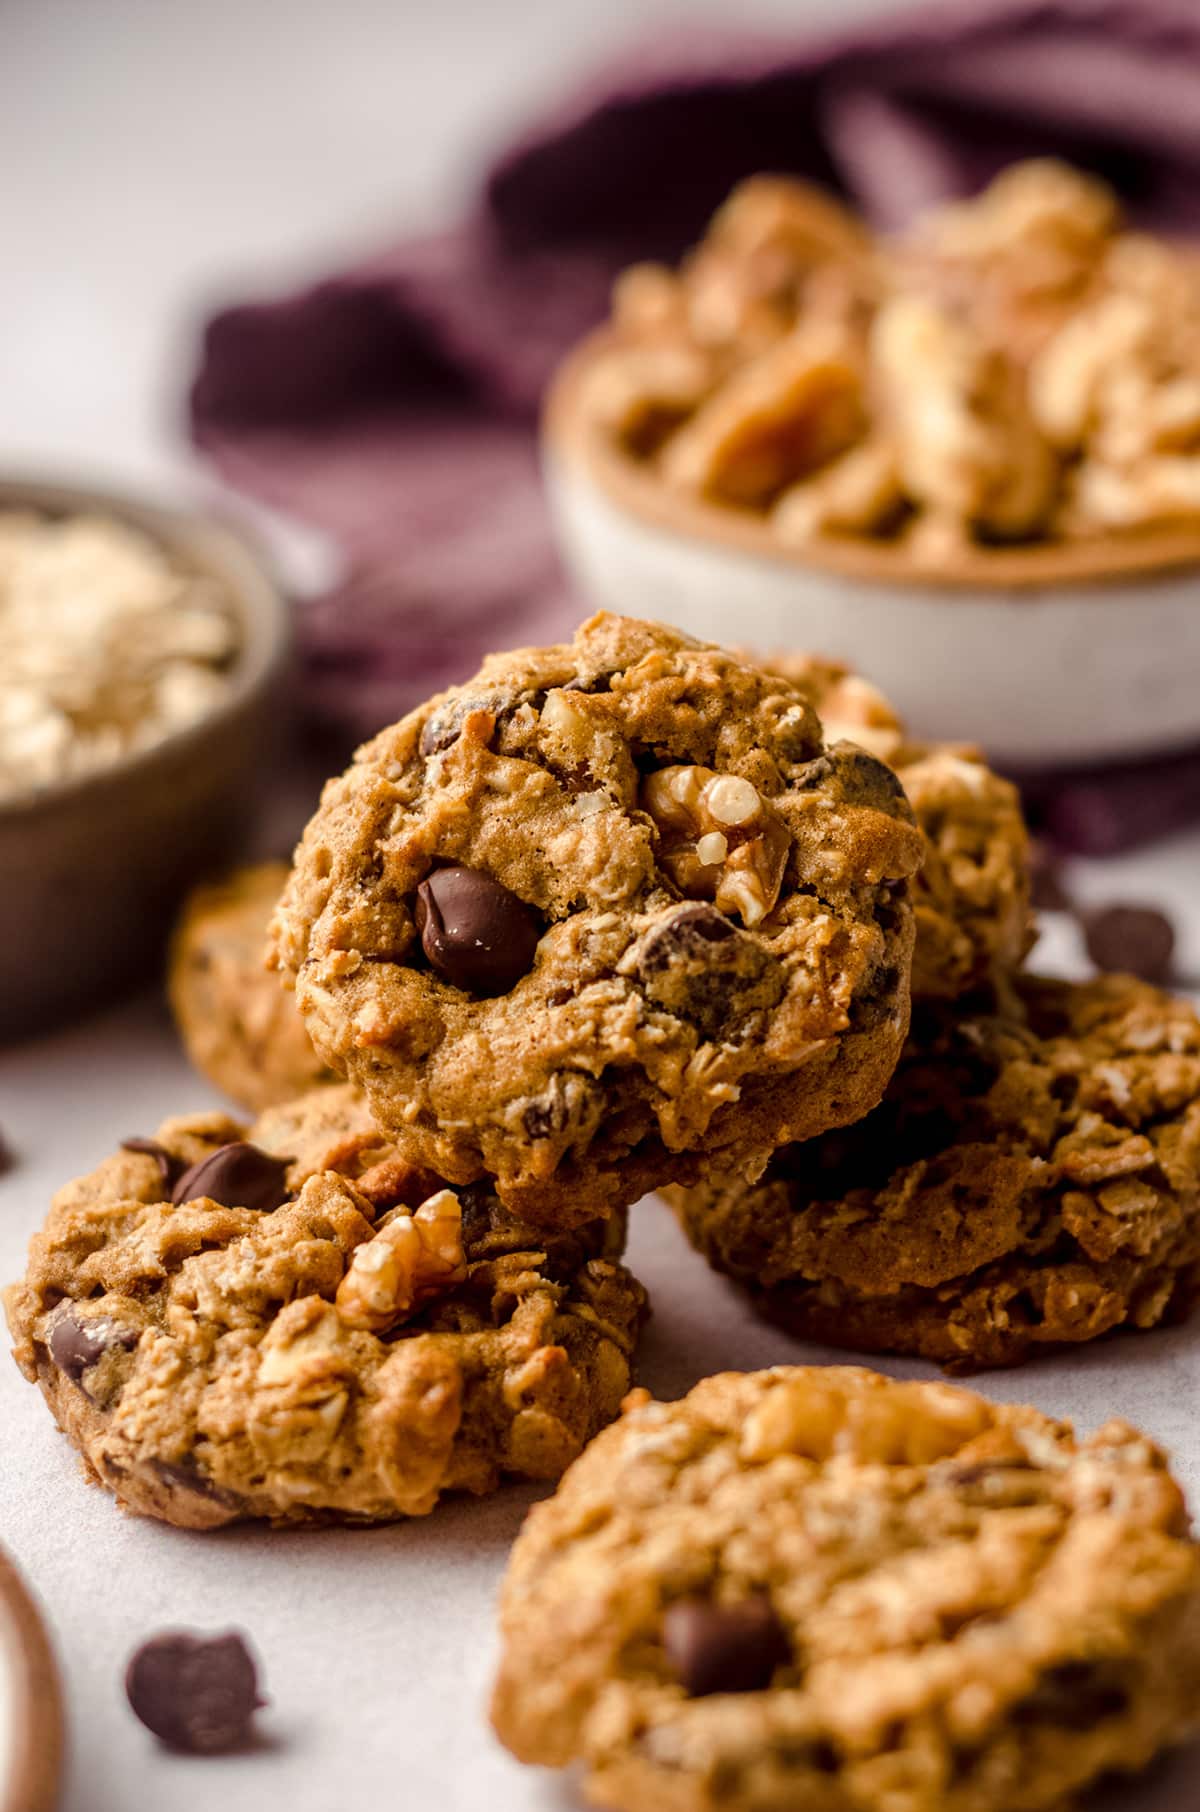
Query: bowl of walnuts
[965, 460]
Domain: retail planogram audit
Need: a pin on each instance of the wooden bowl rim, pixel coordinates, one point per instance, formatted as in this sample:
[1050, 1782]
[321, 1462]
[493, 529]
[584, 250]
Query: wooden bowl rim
[37, 1711]
[583, 447]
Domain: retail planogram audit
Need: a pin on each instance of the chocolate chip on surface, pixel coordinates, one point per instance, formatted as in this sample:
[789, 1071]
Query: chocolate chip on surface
[724, 1647]
[7, 1160]
[476, 934]
[1137, 940]
[196, 1693]
[77, 1344]
[238, 1176]
[168, 1164]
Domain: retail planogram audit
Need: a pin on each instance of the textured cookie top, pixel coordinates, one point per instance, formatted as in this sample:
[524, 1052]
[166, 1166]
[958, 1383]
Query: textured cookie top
[817, 1587]
[240, 1025]
[296, 1322]
[605, 908]
[1037, 1166]
[972, 896]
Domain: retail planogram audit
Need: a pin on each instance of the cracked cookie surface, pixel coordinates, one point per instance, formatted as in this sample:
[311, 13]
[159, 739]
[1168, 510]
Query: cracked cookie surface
[816, 1590]
[316, 1330]
[1031, 1178]
[605, 912]
[240, 1026]
[971, 898]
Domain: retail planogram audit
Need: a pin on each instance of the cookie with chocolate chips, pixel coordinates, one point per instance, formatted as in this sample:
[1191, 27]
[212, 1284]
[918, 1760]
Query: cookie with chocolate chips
[601, 914]
[298, 1322]
[238, 1023]
[1031, 1179]
[818, 1588]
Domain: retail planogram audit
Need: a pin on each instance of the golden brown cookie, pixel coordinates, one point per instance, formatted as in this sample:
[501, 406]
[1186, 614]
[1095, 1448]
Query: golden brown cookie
[972, 896]
[816, 1590]
[239, 1024]
[603, 913]
[1031, 1179]
[295, 1322]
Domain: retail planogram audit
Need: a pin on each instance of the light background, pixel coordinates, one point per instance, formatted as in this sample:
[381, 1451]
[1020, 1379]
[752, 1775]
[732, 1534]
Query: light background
[158, 157]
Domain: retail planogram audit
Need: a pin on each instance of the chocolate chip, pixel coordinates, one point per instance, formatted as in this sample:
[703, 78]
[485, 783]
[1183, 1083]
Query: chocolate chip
[438, 733]
[1136, 939]
[690, 932]
[196, 1693]
[7, 1160]
[77, 1344]
[169, 1166]
[237, 1176]
[477, 935]
[862, 778]
[724, 1647]
[1076, 1695]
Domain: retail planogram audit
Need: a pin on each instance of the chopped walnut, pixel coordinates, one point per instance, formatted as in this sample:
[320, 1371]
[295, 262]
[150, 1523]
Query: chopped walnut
[966, 444]
[906, 1425]
[721, 840]
[777, 418]
[411, 1257]
[1013, 367]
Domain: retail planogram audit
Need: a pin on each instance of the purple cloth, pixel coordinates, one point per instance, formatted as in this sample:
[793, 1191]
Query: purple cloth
[394, 404]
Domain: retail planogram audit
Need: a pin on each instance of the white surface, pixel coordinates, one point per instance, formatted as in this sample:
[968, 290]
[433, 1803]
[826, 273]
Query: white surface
[160, 156]
[1063, 676]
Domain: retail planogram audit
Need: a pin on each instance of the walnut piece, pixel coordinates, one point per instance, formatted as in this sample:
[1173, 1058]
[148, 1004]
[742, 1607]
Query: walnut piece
[411, 1257]
[721, 840]
[910, 1424]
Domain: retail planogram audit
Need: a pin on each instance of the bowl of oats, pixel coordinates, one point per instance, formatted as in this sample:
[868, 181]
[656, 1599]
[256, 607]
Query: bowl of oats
[141, 653]
[966, 460]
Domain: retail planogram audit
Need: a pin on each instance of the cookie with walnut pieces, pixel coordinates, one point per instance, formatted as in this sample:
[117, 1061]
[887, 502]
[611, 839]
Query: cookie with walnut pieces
[297, 1323]
[971, 898]
[238, 1022]
[817, 1590]
[605, 912]
[1030, 1180]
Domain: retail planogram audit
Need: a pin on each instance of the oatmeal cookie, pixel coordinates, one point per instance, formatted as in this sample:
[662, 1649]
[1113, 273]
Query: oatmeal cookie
[295, 1322]
[604, 912]
[240, 1026]
[818, 1589]
[1031, 1178]
[971, 898]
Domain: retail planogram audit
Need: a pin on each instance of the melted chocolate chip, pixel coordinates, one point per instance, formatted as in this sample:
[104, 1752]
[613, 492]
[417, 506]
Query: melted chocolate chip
[724, 1647]
[476, 934]
[237, 1176]
[1137, 939]
[195, 1693]
[169, 1166]
[76, 1344]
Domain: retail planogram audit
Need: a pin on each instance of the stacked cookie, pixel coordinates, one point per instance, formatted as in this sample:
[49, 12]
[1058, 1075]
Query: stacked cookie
[637, 913]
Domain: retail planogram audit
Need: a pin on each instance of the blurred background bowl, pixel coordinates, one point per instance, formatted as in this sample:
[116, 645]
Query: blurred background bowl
[1048, 656]
[94, 868]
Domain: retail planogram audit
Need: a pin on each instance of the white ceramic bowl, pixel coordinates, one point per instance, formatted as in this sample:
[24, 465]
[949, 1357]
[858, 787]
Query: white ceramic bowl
[1047, 656]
